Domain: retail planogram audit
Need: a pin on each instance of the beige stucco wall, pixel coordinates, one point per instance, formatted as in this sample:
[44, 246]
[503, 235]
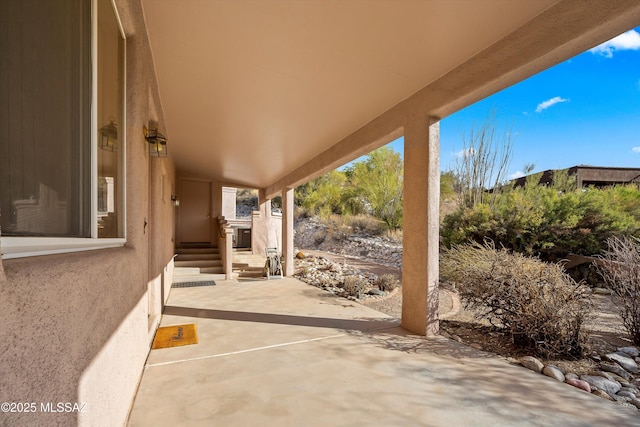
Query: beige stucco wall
[76, 327]
[229, 202]
[266, 228]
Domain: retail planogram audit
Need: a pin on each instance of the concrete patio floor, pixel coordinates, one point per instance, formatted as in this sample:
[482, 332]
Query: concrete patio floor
[282, 353]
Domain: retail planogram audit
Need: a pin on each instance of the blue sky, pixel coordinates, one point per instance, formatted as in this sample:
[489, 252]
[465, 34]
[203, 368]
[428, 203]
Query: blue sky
[585, 110]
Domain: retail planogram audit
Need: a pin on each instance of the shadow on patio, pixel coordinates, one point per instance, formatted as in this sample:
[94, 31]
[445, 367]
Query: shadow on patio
[365, 324]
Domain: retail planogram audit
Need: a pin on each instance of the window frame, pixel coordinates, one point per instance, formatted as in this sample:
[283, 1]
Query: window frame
[20, 247]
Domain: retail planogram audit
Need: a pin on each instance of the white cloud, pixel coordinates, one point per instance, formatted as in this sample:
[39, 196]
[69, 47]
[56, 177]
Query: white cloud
[516, 175]
[464, 153]
[636, 149]
[549, 102]
[626, 41]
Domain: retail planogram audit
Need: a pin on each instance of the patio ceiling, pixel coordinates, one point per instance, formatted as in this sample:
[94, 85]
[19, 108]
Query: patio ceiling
[268, 93]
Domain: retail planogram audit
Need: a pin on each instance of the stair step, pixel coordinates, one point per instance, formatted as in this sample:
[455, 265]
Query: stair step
[197, 250]
[212, 270]
[185, 271]
[197, 257]
[199, 263]
[248, 268]
[257, 263]
[251, 274]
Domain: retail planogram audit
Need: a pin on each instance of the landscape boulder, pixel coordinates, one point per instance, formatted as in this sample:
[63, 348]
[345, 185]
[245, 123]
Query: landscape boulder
[532, 363]
[601, 383]
[623, 360]
[553, 372]
[583, 385]
[631, 351]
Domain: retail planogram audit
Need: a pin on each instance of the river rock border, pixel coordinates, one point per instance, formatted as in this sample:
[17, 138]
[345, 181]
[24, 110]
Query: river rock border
[617, 377]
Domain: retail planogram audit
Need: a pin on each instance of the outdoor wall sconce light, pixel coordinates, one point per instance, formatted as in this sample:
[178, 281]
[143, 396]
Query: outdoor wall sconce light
[157, 142]
[175, 201]
[109, 136]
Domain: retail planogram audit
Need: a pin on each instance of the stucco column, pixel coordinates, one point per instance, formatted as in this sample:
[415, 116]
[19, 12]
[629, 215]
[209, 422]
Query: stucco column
[260, 225]
[421, 225]
[264, 204]
[229, 202]
[287, 230]
[228, 251]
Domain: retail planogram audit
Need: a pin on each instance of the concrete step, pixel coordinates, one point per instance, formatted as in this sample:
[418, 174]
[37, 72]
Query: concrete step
[199, 263]
[197, 257]
[212, 270]
[254, 275]
[256, 263]
[185, 271]
[245, 267]
[197, 250]
[248, 257]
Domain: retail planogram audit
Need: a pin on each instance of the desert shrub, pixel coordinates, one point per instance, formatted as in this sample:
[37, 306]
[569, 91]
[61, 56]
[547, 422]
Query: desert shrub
[328, 280]
[337, 228]
[620, 268]
[319, 236]
[300, 212]
[394, 235]
[387, 282]
[366, 224]
[354, 285]
[548, 223]
[537, 303]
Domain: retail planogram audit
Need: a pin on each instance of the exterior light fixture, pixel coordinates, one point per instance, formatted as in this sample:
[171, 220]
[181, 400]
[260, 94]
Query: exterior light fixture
[109, 136]
[157, 142]
[175, 201]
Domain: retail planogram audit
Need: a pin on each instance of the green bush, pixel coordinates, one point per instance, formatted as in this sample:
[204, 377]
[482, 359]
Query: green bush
[537, 303]
[370, 186]
[546, 222]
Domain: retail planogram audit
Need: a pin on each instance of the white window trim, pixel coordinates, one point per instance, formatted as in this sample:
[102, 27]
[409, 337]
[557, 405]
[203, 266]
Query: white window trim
[20, 247]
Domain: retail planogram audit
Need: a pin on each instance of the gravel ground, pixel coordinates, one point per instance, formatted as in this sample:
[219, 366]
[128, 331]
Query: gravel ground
[392, 303]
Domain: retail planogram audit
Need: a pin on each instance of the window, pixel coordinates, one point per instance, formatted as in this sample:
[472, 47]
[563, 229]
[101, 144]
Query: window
[110, 88]
[61, 131]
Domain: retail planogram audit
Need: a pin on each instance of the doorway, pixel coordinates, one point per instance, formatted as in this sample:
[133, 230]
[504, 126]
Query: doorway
[194, 219]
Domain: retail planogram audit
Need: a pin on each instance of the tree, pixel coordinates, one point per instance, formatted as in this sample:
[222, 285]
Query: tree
[379, 179]
[448, 185]
[323, 195]
[483, 162]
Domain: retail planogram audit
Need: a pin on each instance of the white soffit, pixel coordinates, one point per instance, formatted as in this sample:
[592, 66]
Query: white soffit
[251, 90]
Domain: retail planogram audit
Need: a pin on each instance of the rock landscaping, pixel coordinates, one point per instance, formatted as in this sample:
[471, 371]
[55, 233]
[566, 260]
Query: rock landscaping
[312, 234]
[615, 378]
[341, 278]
